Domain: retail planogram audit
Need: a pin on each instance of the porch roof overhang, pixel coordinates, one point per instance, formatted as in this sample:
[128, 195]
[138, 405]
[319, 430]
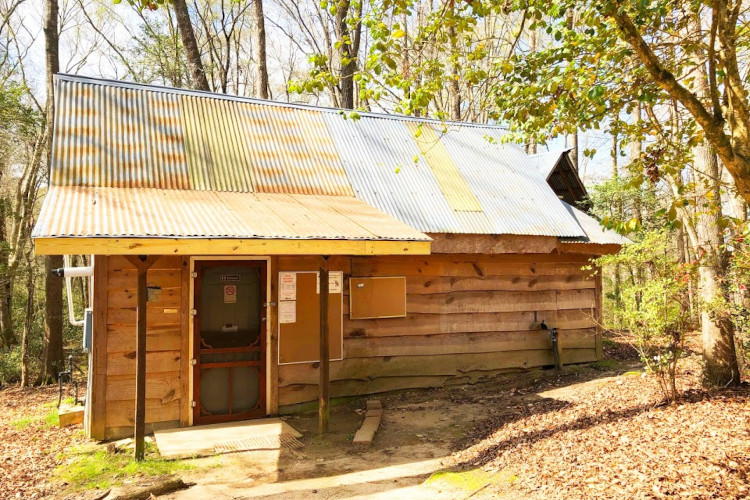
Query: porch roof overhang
[147, 221]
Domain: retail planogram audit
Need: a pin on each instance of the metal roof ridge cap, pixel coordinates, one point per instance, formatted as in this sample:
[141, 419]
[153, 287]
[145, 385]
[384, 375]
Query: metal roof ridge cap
[254, 100]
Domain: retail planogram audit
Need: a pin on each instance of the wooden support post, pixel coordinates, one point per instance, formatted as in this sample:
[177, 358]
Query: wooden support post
[141, 263]
[97, 392]
[598, 315]
[323, 410]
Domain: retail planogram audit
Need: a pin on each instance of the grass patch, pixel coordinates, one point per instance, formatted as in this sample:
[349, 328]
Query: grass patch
[22, 423]
[98, 469]
[470, 480]
[52, 418]
[604, 365]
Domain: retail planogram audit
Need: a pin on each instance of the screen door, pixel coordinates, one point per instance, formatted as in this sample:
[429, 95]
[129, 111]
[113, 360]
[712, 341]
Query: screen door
[229, 344]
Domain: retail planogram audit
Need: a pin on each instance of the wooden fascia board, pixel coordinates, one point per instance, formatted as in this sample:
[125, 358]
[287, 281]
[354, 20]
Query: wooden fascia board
[224, 246]
[594, 249]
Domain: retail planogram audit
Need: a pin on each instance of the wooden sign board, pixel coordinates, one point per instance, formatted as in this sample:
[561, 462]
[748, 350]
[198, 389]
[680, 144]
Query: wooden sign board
[299, 320]
[377, 297]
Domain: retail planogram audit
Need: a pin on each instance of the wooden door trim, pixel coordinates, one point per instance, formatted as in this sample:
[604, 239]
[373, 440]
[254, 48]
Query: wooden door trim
[196, 263]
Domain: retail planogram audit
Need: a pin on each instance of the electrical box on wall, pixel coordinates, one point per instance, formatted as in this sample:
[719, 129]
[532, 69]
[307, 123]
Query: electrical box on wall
[88, 329]
[377, 297]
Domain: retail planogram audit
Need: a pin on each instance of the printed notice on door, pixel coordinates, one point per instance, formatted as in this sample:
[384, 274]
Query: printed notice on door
[230, 294]
[288, 286]
[335, 282]
[288, 311]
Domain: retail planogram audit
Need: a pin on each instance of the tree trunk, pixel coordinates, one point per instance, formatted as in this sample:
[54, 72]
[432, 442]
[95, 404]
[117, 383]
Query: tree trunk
[259, 49]
[533, 40]
[454, 88]
[52, 353]
[619, 208]
[347, 52]
[571, 140]
[27, 325]
[185, 27]
[717, 332]
[7, 334]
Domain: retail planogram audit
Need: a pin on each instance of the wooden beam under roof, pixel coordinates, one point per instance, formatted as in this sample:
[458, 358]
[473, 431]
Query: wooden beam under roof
[225, 246]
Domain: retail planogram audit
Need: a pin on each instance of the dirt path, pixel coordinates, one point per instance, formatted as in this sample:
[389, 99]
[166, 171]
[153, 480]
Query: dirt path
[599, 431]
[411, 457]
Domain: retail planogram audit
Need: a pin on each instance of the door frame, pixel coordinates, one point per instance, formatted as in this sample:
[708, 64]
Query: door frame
[191, 323]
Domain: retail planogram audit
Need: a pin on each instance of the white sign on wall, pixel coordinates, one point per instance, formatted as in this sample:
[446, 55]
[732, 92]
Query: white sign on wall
[335, 282]
[288, 311]
[287, 286]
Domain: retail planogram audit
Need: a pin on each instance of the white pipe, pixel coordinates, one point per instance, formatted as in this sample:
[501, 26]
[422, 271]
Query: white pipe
[70, 273]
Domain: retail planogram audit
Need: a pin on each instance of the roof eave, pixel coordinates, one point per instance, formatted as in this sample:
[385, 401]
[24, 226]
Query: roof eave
[225, 246]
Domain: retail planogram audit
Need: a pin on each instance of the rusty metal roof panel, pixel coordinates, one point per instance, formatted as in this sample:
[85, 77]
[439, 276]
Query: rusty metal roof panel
[123, 135]
[292, 151]
[82, 211]
[117, 137]
[136, 136]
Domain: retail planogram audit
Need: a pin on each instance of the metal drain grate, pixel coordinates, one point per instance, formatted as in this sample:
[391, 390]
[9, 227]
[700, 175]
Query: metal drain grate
[286, 441]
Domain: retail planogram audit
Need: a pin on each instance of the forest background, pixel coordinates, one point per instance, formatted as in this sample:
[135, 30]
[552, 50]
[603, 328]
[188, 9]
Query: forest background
[650, 98]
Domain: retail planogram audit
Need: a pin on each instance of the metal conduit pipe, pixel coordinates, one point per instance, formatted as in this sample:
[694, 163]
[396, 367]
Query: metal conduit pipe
[69, 273]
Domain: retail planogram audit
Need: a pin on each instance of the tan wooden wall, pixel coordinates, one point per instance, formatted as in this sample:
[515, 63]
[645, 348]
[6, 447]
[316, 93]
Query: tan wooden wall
[468, 316]
[113, 396]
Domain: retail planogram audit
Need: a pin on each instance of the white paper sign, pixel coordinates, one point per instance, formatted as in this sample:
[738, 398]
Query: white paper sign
[287, 286]
[288, 311]
[335, 282]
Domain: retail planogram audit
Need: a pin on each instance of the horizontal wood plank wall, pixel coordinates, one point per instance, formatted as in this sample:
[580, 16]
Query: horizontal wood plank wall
[164, 390]
[468, 316]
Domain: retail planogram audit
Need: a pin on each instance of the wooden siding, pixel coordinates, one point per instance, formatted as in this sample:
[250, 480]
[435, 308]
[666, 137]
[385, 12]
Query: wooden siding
[468, 316]
[165, 387]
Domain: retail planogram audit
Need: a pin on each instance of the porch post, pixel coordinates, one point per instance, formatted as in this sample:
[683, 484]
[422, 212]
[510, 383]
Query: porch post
[141, 263]
[323, 411]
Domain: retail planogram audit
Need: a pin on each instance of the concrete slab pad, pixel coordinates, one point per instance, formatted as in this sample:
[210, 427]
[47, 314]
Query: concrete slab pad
[206, 439]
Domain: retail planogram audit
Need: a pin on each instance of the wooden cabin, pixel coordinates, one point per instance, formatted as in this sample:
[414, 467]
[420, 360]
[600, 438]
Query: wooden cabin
[210, 217]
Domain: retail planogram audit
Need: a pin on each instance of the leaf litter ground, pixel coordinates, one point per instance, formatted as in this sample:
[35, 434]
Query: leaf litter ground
[31, 444]
[615, 438]
[599, 431]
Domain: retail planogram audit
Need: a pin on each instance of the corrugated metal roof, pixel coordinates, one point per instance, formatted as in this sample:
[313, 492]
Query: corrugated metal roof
[451, 182]
[595, 233]
[546, 162]
[118, 134]
[82, 211]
